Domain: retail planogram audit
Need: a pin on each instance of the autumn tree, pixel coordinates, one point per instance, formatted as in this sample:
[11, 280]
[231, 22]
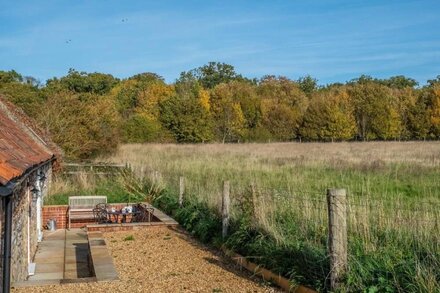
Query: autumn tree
[376, 111]
[83, 125]
[227, 113]
[329, 117]
[418, 118]
[137, 99]
[283, 106]
[434, 109]
[187, 113]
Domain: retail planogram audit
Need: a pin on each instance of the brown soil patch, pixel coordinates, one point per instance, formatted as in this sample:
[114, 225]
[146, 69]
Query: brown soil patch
[164, 260]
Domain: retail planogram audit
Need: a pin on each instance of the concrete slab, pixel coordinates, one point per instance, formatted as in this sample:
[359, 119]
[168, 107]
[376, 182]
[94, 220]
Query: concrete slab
[55, 235]
[102, 261]
[50, 260]
[47, 276]
[49, 253]
[49, 267]
[31, 283]
[76, 266]
[61, 255]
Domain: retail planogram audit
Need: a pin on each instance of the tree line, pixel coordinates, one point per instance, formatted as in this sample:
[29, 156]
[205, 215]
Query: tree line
[89, 114]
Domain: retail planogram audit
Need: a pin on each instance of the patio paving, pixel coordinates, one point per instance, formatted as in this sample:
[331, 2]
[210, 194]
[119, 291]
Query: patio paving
[49, 257]
[62, 254]
[76, 257]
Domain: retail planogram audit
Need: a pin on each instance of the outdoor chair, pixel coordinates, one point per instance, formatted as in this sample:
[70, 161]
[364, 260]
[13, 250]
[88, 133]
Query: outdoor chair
[103, 205]
[101, 216]
[142, 213]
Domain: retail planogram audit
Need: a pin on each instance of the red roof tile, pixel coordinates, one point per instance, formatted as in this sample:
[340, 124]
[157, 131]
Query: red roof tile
[20, 147]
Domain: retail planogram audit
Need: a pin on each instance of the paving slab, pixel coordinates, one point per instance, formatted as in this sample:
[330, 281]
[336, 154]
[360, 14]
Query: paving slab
[47, 276]
[61, 255]
[76, 263]
[49, 267]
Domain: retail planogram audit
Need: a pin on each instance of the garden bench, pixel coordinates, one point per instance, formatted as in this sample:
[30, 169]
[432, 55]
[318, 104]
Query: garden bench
[81, 207]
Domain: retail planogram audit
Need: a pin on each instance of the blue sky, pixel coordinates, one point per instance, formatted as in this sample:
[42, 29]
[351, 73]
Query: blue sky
[334, 41]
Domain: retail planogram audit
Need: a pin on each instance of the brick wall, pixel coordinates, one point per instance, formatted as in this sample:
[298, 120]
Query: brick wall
[60, 215]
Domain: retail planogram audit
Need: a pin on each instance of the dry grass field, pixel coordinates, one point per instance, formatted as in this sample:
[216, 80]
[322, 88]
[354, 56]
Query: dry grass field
[378, 169]
[393, 192]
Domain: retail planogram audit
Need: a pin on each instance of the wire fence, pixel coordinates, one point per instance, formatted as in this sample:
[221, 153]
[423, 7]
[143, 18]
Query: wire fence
[373, 220]
[363, 209]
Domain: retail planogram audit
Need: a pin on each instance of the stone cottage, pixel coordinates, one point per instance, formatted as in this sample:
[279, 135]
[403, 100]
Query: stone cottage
[26, 161]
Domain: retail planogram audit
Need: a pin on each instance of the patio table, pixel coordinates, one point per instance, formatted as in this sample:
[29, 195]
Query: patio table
[116, 214]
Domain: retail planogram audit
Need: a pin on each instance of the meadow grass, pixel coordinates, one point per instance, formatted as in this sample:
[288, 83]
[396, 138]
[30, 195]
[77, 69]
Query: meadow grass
[279, 210]
[393, 212]
[379, 169]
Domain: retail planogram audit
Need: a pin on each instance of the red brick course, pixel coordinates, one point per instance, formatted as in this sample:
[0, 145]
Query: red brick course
[60, 215]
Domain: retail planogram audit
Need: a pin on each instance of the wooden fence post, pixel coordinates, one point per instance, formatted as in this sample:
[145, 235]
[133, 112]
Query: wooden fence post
[225, 208]
[181, 190]
[337, 240]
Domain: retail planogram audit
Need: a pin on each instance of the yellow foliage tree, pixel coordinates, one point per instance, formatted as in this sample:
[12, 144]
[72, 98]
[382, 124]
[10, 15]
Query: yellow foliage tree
[205, 99]
[150, 97]
[227, 113]
[330, 116]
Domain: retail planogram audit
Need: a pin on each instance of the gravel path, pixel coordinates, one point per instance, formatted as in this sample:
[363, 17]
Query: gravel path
[164, 260]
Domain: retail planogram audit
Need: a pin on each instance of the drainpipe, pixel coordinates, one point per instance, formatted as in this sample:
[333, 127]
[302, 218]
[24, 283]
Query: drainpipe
[6, 195]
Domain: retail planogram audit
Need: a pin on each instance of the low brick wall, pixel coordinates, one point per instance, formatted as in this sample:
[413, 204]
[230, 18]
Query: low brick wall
[60, 215]
[125, 226]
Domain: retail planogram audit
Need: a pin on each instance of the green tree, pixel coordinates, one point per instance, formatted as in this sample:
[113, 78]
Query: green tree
[83, 82]
[400, 82]
[10, 76]
[212, 74]
[22, 91]
[432, 82]
[308, 84]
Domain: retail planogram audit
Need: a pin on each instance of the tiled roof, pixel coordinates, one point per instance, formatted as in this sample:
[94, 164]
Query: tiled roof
[20, 147]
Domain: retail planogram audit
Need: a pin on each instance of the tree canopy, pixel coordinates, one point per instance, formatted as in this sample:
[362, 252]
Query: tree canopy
[90, 113]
